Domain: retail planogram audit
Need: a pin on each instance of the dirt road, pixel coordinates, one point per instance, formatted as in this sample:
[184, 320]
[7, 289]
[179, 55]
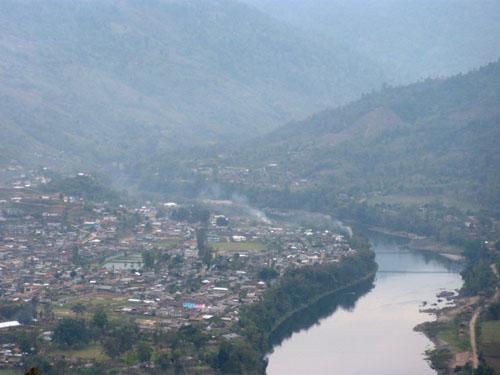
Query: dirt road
[473, 321]
[473, 341]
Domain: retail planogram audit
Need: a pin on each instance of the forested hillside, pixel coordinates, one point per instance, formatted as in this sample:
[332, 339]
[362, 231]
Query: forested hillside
[434, 141]
[105, 80]
[437, 139]
[410, 39]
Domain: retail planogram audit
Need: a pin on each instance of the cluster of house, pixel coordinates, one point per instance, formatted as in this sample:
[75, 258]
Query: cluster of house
[271, 175]
[59, 250]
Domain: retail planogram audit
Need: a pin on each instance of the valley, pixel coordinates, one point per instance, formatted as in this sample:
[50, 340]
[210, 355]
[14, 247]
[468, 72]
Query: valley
[249, 187]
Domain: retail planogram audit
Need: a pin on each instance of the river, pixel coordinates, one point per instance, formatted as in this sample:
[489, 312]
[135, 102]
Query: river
[370, 329]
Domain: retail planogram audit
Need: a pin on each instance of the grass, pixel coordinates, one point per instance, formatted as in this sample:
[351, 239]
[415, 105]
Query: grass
[489, 337]
[237, 246]
[91, 304]
[489, 343]
[133, 257]
[8, 371]
[409, 200]
[130, 258]
[450, 332]
[168, 244]
[93, 351]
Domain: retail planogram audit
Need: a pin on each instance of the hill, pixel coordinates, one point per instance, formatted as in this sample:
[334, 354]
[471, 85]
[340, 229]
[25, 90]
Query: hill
[431, 141]
[409, 39]
[100, 81]
[436, 138]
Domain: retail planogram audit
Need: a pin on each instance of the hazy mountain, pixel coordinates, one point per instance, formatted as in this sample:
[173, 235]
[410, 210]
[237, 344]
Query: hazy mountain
[411, 39]
[102, 80]
[435, 139]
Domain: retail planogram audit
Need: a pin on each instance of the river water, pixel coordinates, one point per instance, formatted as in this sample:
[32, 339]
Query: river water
[369, 330]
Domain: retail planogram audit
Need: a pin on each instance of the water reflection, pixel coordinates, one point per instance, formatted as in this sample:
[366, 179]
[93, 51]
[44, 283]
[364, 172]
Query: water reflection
[313, 315]
[370, 331]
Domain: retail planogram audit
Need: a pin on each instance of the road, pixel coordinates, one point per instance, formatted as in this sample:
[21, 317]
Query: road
[473, 341]
[473, 321]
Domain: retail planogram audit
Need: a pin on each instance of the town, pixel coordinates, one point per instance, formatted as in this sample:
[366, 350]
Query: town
[164, 265]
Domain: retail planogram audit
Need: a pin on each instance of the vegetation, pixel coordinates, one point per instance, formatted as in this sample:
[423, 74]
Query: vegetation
[145, 91]
[439, 358]
[479, 278]
[237, 246]
[413, 141]
[141, 77]
[97, 337]
[71, 333]
[191, 214]
[489, 341]
[297, 288]
[82, 186]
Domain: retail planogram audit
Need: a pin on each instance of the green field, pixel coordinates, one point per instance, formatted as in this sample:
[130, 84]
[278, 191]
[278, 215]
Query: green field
[409, 200]
[130, 258]
[450, 333]
[168, 244]
[237, 246]
[490, 336]
[91, 352]
[7, 371]
[489, 343]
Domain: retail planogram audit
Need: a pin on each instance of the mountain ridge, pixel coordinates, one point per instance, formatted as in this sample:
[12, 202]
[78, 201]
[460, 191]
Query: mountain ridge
[99, 81]
[432, 140]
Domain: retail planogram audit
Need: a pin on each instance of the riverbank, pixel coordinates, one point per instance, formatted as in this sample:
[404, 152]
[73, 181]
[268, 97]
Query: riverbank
[450, 335]
[315, 300]
[421, 243]
[456, 333]
[297, 290]
[375, 322]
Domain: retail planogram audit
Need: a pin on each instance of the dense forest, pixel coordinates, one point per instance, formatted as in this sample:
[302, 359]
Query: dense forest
[95, 82]
[435, 138]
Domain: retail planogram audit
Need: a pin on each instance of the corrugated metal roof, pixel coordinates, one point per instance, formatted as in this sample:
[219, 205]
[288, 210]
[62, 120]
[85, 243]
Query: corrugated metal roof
[13, 323]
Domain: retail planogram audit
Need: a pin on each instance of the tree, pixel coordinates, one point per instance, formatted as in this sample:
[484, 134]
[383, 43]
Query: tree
[238, 358]
[148, 259]
[160, 213]
[78, 308]
[205, 252]
[26, 313]
[38, 365]
[478, 277]
[111, 346]
[176, 261]
[26, 342]
[100, 319]
[222, 221]
[201, 240]
[71, 332]
[163, 361]
[144, 352]
[193, 335]
[267, 274]
[75, 255]
[120, 338]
